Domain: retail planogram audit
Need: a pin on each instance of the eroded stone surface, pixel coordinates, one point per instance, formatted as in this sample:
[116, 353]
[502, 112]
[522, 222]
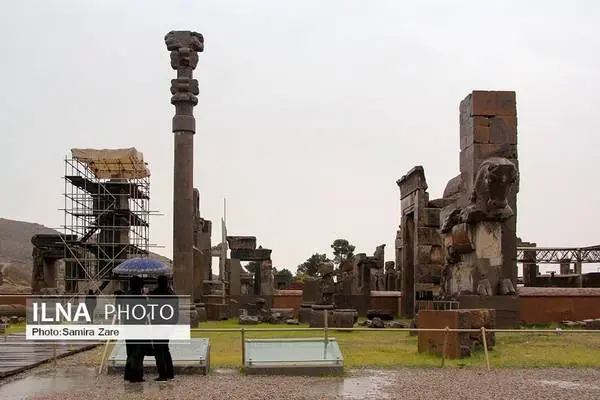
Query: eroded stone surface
[458, 344]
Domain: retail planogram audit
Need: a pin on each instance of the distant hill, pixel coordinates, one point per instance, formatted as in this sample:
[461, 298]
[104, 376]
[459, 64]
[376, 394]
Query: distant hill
[16, 261]
[15, 239]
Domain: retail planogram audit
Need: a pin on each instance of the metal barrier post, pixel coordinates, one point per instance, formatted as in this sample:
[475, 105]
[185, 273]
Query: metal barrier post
[325, 322]
[485, 348]
[243, 336]
[445, 347]
[104, 353]
[54, 352]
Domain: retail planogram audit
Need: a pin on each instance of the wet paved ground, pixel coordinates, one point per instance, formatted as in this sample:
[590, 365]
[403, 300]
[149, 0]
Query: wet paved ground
[82, 383]
[17, 354]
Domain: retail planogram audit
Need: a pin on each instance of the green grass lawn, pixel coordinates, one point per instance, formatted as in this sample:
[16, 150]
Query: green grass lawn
[16, 328]
[379, 348]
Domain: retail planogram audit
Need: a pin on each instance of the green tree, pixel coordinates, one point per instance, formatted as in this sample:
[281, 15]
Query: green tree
[288, 276]
[299, 276]
[310, 267]
[342, 250]
[252, 266]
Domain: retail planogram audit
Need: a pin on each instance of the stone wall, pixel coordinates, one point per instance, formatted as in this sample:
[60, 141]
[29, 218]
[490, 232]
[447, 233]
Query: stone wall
[384, 301]
[553, 305]
[508, 311]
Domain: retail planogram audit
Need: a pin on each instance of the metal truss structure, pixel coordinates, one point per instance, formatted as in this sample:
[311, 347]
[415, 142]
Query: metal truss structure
[557, 255]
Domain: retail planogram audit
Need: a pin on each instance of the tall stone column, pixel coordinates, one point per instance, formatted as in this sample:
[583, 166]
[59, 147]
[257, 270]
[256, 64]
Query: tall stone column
[184, 47]
[488, 128]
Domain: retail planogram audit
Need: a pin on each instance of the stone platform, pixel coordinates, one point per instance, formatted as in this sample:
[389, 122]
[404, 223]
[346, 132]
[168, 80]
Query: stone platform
[309, 356]
[189, 357]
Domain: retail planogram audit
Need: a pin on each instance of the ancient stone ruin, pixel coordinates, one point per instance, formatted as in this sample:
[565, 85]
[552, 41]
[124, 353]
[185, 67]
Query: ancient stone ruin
[349, 291]
[464, 243]
[457, 344]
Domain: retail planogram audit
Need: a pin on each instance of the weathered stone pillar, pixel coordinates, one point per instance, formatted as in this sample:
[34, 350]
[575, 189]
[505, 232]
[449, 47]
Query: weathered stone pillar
[184, 47]
[577, 266]
[488, 128]
[266, 278]
[565, 267]
[530, 269]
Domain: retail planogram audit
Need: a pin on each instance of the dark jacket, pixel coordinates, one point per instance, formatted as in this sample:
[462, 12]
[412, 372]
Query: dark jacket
[132, 299]
[162, 297]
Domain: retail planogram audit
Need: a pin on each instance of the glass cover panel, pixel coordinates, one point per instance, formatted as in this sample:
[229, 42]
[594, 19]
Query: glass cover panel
[194, 351]
[292, 351]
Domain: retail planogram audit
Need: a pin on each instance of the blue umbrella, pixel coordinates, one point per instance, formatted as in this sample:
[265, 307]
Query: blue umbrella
[142, 267]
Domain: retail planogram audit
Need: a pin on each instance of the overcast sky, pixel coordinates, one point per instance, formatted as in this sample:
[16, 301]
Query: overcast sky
[309, 111]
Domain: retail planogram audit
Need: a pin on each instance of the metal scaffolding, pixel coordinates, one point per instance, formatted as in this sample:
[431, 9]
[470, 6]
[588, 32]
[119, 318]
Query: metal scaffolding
[106, 214]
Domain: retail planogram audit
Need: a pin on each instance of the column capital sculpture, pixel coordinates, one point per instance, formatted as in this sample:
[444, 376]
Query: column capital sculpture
[184, 47]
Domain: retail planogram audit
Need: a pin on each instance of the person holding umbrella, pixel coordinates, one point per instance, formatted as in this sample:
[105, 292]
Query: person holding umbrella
[162, 354]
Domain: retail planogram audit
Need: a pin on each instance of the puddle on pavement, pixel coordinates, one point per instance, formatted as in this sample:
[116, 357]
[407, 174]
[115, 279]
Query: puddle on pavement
[371, 385]
[60, 380]
[568, 384]
[358, 385]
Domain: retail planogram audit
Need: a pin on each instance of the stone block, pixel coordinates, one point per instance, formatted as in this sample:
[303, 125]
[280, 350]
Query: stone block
[407, 203]
[429, 217]
[461, 239]
[440, 203]
[317, 316]
[428, 236]
[284, 313]
[311, 291]
[251, 255]
[453, 188]
[475, 130]
[428, 273]
[489, 103]
[305, 310]
[201, 313]
[459, 279]
[421, 199]
[483, 103]
[458, 344]
[484, 151]
[506, 103]
[592, 324]
[241, 242]
[344, 318]
[436, 255]
[414, 180]
[487, 239]
[429, 254]
[503, 130]
[466, 158]
[506, 307]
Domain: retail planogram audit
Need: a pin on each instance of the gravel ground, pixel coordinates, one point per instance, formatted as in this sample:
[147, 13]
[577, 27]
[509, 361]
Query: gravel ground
[74, 378]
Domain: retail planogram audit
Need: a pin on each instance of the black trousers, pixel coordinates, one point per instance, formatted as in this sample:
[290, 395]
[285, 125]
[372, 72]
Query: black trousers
[134, 367]
[164, 362]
